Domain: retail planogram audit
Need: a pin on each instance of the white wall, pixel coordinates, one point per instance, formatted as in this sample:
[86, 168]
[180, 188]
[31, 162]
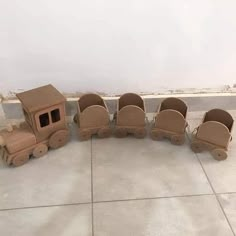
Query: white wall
[114, 46]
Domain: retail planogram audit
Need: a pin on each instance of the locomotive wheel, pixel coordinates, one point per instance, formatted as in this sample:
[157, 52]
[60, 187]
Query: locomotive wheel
[20, 159]
[40, 150]
[120, 132]
[178, 139]
[75, 118]
[219, 154]
[59, 139]
[84, 135]
[157, 135]
[104, 132]
[196, 146]
[140, 133]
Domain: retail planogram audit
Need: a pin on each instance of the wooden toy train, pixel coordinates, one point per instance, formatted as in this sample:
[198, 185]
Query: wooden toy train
[45, 124]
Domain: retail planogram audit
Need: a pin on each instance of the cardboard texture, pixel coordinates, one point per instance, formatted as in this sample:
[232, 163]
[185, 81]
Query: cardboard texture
[170, 121]
[130, 116]
[214, 134]
[44, 127]
[92, 117]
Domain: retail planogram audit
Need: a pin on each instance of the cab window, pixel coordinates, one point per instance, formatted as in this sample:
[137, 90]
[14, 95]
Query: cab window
[55, 114]
[44, 120]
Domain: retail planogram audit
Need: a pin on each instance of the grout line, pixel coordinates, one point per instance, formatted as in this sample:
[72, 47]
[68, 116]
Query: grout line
[217, 198]
[215, 194]
[116, 200]
[45, 206]
[226, 193]
[108, 201]
[153, 198]
[92, 221]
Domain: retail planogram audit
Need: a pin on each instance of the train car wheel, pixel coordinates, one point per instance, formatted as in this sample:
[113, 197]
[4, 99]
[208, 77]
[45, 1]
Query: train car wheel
[196, 146]
[104, 132]
[140, 132]
[84, 135]
[157, 135]
[120, 132]
[178, 139]
[219, 154]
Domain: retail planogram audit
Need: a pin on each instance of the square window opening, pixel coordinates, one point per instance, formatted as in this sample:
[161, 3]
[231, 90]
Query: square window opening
[44, 120]
[55, 115]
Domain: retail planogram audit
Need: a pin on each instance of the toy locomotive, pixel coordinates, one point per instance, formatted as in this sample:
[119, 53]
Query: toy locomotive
[44, 127]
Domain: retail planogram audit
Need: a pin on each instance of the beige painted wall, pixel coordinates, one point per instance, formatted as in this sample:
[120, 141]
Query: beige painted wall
[117, 46]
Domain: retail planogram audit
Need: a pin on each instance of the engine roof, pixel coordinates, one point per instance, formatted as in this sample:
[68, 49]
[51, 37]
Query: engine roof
[40, 98]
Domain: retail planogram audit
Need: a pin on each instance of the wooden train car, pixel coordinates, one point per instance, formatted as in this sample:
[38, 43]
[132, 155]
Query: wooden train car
[44, 127]
[92, 117]
[130, 116]
[214, 134]
[170, 121]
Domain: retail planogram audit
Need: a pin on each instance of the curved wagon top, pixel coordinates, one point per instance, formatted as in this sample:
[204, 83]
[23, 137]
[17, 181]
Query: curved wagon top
[131, 99]
[173, 103]
[90, 99]
[40, 98]
[221, 116]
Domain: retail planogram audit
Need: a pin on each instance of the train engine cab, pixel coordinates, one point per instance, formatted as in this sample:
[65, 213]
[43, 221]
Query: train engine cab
[44, 126]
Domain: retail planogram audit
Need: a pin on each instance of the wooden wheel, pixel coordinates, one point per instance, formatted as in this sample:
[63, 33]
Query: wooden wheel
[178, 139]
[140, 132]
[104, 132]
[157, 135]
[20, 160]
[219, 154]
[120, 132]
[84, 135]
[59, 139]
[196, 146]
[40, 150]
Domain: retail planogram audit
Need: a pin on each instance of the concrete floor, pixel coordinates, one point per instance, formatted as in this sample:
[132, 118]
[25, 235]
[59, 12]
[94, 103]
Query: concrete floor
[121, 187]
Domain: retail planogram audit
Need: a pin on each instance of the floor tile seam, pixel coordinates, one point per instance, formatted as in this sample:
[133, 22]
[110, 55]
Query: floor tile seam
[214, 192]
[92, 214]
[153, 198]
[222, 208]
[225, 193]
[116, 200]
[45, 206]
[217, 198]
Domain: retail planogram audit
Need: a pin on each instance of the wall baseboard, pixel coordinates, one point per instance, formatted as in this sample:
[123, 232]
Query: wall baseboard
[195, 102]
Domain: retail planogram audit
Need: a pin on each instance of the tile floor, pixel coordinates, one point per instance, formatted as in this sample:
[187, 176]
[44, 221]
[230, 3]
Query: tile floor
[120, 187]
